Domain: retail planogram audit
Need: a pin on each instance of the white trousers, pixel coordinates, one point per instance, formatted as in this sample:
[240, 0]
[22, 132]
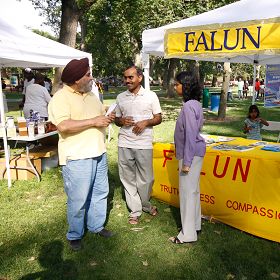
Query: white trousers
[137, 177]
[189, 193]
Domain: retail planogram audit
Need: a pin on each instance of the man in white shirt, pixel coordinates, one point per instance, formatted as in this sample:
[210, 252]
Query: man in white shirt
[29, 79]
[137, 111]
[240, 85]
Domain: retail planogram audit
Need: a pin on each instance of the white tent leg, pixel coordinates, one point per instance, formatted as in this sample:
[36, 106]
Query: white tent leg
[6, 149]
[254, 83]
[146, 79]
[146, 66]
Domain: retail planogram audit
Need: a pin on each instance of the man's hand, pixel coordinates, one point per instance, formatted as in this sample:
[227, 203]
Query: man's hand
[139, 127]
[112, 117]
[127, 121]
[101, 121]
[185, 169]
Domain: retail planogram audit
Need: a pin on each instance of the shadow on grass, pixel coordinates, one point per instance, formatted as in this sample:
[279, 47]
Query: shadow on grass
[141, 254]
[177, 218]
[53, 265]
[110, 199]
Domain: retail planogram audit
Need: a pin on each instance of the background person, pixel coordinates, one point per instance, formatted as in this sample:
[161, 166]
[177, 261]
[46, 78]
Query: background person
[79, 117]
[229, 93]
[190, 150]
[245, 89]
[257, 88]
[28, 80]
[262, 86]
[254, 123]
[138, 110]
[4, 85]
[240, 85]
[37, 98]
[48, 84]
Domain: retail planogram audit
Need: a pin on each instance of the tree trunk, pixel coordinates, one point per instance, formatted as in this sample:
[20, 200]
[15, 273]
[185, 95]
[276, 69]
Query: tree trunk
[223, 100]
[170, 77]
[165, 74]
[70, 14]
[83, 34]
[258, 70]
[137, 59]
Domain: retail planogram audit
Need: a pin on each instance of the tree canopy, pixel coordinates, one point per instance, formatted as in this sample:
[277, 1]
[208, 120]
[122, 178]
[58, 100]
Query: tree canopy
[112, 29]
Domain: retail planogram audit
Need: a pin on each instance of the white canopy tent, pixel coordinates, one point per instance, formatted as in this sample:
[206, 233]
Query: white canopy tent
[20, 47]
[244, 11]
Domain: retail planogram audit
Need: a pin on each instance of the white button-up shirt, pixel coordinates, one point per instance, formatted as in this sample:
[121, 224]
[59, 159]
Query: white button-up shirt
[140, 106]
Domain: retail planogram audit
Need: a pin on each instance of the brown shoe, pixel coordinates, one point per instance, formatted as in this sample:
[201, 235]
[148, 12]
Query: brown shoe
[105, 233]
[75, 245]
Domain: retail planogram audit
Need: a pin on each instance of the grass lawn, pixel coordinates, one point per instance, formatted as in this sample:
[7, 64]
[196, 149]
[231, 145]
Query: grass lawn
[33, 227]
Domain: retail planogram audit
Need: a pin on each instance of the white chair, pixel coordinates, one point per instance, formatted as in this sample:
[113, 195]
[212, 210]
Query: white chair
[273, 126]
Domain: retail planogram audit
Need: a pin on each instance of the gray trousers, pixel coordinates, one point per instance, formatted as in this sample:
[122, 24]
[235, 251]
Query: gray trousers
[189, 193]
[137, 177]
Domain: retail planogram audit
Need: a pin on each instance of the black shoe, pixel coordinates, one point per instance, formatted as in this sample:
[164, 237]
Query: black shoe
[105, 233]
[75, 245]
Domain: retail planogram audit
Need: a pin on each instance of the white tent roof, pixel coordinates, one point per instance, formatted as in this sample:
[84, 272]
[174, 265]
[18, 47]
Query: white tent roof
[241, 11]
[20, 47]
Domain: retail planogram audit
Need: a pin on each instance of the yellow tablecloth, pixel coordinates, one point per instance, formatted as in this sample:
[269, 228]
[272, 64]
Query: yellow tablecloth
[241, 189]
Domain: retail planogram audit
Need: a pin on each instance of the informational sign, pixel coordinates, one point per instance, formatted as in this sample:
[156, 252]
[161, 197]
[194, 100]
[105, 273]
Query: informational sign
[14, 80]
[272, 86]
[238, 188]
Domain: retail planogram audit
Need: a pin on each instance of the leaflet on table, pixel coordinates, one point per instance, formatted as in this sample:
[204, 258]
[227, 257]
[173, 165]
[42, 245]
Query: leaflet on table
[271, 148]
[227, 147]
[259, 143]
[210, 139]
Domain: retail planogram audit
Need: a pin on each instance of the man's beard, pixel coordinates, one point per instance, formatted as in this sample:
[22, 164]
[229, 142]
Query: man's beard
[86, 88]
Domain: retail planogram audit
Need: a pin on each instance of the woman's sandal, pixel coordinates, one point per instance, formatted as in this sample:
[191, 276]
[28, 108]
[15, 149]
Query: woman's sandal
[154, 211]
[133, 220]
[175, 240]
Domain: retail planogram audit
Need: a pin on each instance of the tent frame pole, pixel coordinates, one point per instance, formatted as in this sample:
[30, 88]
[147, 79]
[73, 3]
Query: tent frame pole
[146, 66]
[254, 83]
[5, 141]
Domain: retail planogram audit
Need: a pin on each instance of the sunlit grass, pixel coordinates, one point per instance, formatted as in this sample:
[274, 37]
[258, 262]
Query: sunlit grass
[33, 227]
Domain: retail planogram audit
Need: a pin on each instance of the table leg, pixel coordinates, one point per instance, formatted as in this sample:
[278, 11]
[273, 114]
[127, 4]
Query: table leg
[31, 164]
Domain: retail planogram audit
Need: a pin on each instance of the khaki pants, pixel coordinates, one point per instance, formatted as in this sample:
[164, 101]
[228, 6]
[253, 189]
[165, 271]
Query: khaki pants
[189, 193]
[136, 174]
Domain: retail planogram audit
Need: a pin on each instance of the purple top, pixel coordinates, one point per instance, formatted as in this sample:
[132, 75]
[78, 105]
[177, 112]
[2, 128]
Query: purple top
[188, 141]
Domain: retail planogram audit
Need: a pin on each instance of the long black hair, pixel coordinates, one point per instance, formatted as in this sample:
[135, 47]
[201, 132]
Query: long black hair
[191, 87]
[253, 108]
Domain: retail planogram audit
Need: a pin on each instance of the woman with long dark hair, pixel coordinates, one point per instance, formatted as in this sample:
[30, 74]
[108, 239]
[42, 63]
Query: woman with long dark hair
[190, 150]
